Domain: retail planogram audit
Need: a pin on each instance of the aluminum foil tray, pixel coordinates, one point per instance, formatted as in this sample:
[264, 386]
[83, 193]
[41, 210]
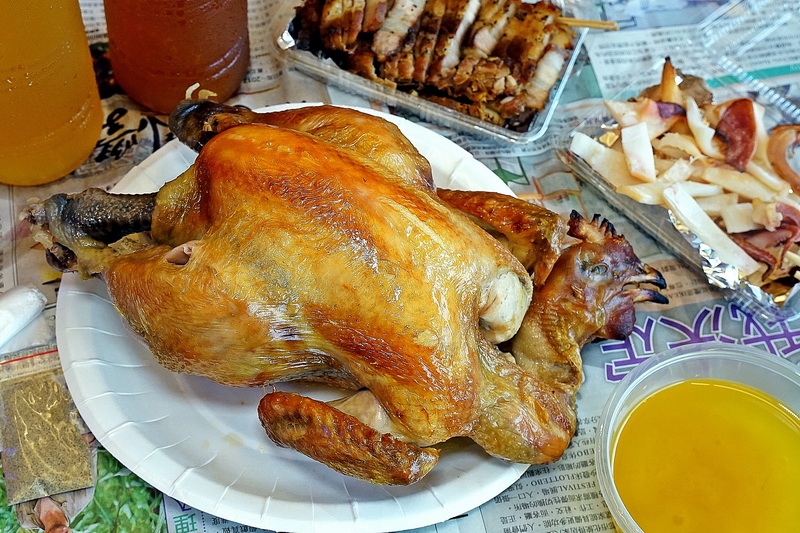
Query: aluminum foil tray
[727, 34]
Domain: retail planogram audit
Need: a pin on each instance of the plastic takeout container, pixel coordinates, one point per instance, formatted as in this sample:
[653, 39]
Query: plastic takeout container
[722, 32]
[744, 365]
[327, 71]
[738, 26]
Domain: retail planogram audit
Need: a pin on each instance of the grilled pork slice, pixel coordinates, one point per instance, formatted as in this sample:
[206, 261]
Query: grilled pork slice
[341, 22]
[548, 69]
[374, 14]
[500, 71]
[493, 59]
[458, 18]
[403, 16]
[484, 79]
[399, 68]
[525, 37]
[489, 26]
[537, 80]
[429, 25]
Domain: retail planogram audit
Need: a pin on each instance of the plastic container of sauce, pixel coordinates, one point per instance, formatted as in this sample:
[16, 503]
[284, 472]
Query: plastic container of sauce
[703, 439]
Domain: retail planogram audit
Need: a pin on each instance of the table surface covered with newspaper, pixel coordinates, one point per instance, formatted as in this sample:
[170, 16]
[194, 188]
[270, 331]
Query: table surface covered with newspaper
[562, 497]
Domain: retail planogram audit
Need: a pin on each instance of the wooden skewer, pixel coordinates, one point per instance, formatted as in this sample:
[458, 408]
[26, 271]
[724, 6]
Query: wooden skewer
[532, 197]
[588, 23]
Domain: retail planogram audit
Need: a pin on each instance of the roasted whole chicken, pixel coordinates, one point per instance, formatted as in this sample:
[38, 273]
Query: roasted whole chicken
[311, 244]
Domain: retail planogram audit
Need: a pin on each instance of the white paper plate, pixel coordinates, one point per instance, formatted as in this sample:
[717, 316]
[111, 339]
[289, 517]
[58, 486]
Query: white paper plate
[202, 443]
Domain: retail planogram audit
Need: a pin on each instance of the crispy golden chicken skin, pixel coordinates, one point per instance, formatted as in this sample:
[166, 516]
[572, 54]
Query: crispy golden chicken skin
[280, 256]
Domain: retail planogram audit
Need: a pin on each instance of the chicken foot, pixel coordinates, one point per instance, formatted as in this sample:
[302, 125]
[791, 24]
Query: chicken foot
[89, 220]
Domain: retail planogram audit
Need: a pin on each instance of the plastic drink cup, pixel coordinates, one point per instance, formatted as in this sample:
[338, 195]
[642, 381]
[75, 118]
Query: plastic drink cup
[48, 94]
[160, 48]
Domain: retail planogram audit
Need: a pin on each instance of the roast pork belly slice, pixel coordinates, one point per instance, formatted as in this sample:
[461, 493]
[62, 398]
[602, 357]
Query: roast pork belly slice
[399, 68]
[403, 16]
[430, 23]
[374, 13]
[525, 36]
[492, 20]
[341, 22]
[458, 18]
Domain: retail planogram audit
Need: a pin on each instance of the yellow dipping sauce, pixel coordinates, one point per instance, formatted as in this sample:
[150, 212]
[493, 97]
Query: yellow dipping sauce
[709, 455]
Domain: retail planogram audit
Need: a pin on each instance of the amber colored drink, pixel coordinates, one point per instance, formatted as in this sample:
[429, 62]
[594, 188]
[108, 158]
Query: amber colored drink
[159, 48]
[48, 94]
[710, 455]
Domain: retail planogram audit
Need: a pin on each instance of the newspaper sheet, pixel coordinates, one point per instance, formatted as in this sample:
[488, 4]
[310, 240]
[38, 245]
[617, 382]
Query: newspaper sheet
[562, 497]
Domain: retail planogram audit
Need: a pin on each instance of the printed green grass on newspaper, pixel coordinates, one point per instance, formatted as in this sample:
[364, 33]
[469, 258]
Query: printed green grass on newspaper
[122, 502]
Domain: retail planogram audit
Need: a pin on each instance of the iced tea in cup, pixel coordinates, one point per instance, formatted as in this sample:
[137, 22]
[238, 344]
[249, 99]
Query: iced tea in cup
[48, 94]
[160, 48]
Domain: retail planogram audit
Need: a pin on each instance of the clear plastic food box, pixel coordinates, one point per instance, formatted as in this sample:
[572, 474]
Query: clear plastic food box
[725, 35]
[739, 26]
[328, 72]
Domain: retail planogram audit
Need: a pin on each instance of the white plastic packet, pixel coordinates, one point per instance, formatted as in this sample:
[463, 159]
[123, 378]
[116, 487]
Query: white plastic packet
[18, 307]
